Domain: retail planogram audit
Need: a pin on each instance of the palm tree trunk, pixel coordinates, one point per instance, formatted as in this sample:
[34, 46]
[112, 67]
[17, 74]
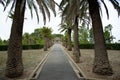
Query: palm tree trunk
[76, 51]
[101, 62]
[69, 40]
[14, 65]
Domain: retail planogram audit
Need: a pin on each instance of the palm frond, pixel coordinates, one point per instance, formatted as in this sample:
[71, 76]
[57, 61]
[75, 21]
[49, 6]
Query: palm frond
[2, 2]
[105, 8]
[43, 12]
[116, 5]
[44, 5]
[8, 2]
[36, 11]
[46, 10]
[29, 3]
[12, 7]
[51, 5]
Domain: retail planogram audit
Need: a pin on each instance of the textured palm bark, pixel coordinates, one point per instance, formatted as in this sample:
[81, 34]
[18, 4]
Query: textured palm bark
[76, 50]
[14, 65]
[101, 62]
[69, 40]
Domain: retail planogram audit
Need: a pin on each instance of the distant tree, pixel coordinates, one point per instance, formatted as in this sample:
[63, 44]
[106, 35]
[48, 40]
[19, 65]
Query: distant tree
[83, 34]
[108, 34]
[26, 39]
[67, 27]
[46, 32]
[91, 36]
[1, 42]
[60, 36]
[37, 35]
[5, 42]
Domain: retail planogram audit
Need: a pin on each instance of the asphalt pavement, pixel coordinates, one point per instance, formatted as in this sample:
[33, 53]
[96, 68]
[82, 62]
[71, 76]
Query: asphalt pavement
[57, 66]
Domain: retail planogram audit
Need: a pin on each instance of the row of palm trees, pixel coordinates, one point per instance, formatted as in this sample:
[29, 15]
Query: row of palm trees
[73, 11]
[77, 11]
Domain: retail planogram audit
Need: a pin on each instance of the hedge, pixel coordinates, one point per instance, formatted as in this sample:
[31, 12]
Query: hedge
[25, 47]
[3, 47]
[113, 46]
[82, 46]
[108, 46]
[86, 46]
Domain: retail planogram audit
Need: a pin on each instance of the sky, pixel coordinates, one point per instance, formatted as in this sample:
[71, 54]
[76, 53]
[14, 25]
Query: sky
[31, 24]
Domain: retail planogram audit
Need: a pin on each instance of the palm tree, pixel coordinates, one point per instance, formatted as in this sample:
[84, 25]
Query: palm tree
[72, 10]
[67, 27]
[46, 33]
[108, 34]
[26, 39]
[101, 62]
[14, 65]
[101, 65]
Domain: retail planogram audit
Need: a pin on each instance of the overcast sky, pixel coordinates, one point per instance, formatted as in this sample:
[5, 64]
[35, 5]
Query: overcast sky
[31, 24]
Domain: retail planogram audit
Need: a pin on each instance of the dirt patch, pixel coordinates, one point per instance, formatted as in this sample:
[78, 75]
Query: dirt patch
[87, 58]
[31, 58]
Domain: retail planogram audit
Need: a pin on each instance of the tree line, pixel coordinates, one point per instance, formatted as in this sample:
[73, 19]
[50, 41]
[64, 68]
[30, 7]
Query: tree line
[86, 34]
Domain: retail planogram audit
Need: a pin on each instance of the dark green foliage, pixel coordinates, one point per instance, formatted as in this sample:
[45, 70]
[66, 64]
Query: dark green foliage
[82, 46]
[113, 46]
[25, 47]
[3, 47]
[108, 46]
[86, 46]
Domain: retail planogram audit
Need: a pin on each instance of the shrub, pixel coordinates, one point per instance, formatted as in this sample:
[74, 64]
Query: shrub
[113, 46]
[108, 46]
[86, 46]
[25, 47]
[3, 47]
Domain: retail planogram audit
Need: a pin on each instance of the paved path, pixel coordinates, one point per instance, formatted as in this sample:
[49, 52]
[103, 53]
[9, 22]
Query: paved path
[57, 66]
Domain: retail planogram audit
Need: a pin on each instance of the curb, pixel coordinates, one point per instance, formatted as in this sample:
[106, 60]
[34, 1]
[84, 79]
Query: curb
[79, 72]
[34, 75]
[81, 75]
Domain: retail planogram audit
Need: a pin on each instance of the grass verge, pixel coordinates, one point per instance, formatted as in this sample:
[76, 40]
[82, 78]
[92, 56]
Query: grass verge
[30, 60]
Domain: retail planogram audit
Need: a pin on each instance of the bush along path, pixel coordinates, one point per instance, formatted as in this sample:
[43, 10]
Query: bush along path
[57, 66]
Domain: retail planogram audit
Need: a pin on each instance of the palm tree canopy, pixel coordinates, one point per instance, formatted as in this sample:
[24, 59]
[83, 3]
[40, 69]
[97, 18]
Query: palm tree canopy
[46, 31]
[43, 6]
[80, 7]
[2, 2]
[73, 8]
[116, 5]
[65, 26]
